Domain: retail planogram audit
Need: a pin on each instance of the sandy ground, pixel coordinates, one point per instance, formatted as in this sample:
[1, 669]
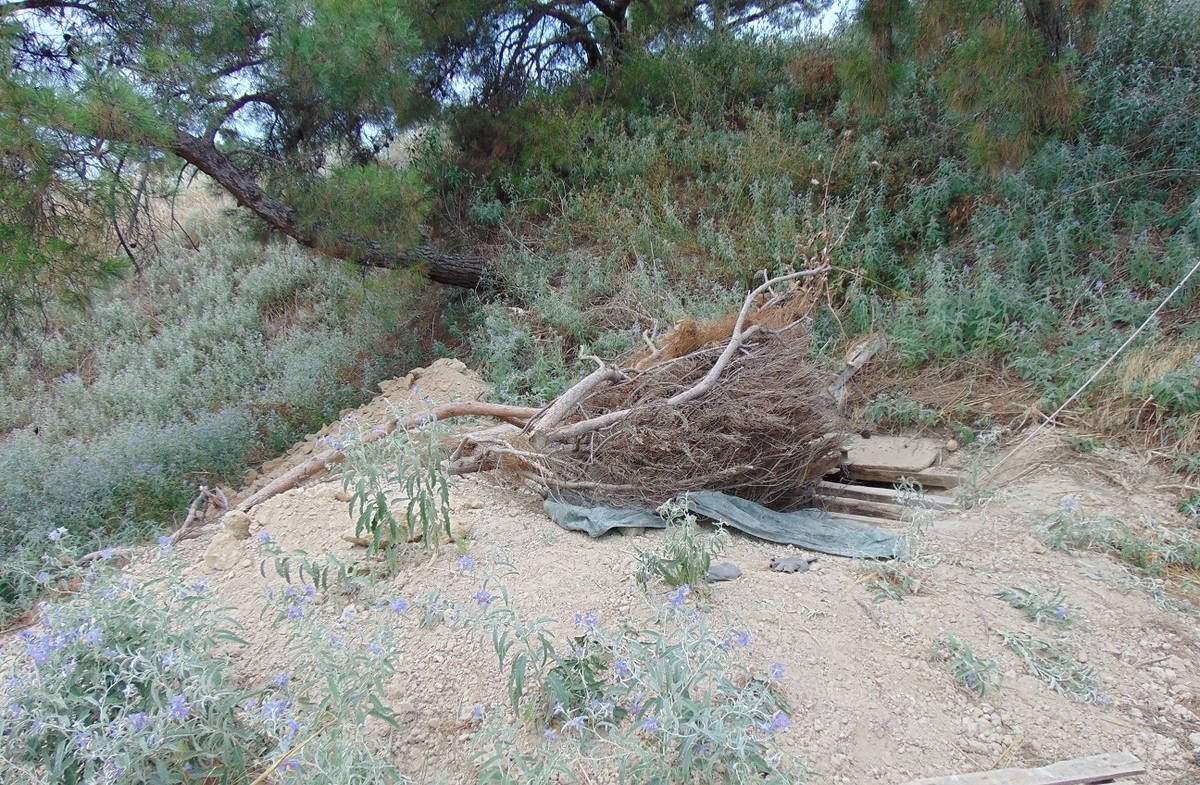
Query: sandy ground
[869, 705]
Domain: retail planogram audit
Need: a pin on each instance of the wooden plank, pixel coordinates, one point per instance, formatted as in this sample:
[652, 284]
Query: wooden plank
[858, 507]
[928, 478]
[1079, 771]
[889, 495]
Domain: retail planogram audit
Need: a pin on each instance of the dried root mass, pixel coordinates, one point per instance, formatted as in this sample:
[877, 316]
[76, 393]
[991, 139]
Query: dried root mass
[765, 432]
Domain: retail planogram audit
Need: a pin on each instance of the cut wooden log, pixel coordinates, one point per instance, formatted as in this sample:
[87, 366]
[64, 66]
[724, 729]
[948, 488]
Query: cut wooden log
[835, 490]
[1079, 771]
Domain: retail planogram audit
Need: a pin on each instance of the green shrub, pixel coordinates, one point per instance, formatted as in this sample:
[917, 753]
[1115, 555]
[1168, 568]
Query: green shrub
[124, 684]
[686, 553]
[970, 673]
[205, 362]
[665, 700]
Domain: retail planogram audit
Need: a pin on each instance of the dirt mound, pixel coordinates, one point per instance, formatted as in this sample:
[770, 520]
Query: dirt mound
[444, 381]
[869, 706]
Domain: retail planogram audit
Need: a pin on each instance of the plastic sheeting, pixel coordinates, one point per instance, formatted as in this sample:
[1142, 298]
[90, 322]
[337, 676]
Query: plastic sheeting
[812, 530]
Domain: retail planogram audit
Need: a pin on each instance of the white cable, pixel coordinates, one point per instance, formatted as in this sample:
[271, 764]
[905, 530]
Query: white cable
[1099, 371]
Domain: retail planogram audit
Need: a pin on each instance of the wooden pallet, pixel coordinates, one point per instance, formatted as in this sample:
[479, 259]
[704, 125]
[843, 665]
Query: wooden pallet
[861, 500]
[1079, 771]
[891, 460]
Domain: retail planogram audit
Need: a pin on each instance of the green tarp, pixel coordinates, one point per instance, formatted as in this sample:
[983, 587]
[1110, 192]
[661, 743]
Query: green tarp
[812, 530]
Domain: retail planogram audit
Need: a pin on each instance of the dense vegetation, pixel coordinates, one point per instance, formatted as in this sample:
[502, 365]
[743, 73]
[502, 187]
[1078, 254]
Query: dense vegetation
[1013, 188]
[1005, 190]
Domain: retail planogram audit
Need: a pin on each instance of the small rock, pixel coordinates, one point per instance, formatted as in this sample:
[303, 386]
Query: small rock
[250, 477]
[725, 571]
[791, 563]
[470, 503]
[951, 445]
[1033, 546]
[365, 542]
[460, 530]
[342, 496]
[237, 524]
[224, 552]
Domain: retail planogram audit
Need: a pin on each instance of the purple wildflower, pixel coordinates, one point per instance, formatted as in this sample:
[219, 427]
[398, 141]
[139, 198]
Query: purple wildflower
[678, 597]
[274, 710]
[483, 597]
[465, 562]
[650, 725]
[179, 709]
[621, 668]
[776, 671]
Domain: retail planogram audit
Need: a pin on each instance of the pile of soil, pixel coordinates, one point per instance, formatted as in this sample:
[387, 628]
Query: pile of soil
[869, 704]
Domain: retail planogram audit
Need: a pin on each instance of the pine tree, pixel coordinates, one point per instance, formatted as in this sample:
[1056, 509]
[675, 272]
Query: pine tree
[283, 103]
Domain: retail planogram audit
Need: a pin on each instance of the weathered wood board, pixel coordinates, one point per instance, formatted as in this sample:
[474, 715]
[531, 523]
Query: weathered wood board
[929, 478]
[1079, 771]
[839, 507]
[927, 501]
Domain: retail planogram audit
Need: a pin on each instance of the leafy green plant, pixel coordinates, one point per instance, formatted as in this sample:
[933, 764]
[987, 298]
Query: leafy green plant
[1083, 444]
[686, 552]
[970, 673]
[1190, 506]
[407, 498]
[328, 574]
[111, 418]
[1037, 608]
[1150, 549]
[901, 411]
[891, 580]
[1048, 661]
[667, 700]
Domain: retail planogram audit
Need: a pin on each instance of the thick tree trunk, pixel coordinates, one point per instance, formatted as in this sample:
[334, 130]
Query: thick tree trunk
[440, 266]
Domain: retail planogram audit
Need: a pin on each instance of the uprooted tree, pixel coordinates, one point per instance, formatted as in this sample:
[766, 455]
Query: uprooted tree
[748, 414]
